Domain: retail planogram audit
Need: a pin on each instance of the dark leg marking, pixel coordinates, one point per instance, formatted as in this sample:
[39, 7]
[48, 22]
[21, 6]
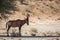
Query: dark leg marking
[8, 30]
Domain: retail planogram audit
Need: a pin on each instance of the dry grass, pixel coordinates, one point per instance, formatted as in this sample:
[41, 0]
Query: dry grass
[39, 9]
[33, 31]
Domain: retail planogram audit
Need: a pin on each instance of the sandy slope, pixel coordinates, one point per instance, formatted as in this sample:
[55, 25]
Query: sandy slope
[44, 17]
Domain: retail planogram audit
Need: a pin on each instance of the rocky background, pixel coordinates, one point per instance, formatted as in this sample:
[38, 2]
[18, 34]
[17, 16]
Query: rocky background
[44, 18]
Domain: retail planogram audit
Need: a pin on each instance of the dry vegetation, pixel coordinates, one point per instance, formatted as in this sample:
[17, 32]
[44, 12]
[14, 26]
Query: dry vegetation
[29, 38]
[44, 16]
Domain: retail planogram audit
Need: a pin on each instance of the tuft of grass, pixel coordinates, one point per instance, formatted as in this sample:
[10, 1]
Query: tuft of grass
[33, 13]
[33, 34]
[19, 39]
[58, 19]
[57, 39]
[50, 16]
[14, 33]
[58, 33]
[33, 30]
[27, 8]
[38, 18]
[25, 32]
[42, 10]
[4, 39]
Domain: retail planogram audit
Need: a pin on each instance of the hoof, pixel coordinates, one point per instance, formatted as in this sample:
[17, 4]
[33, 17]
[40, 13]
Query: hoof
[20, 35]
[7, 35]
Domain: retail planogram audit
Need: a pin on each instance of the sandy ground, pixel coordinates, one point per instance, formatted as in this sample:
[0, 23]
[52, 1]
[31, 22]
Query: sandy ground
[12, 38]
[43, 28]
[43, 21]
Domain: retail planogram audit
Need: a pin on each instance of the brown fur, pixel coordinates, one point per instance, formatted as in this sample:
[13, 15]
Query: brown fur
[17, 23]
